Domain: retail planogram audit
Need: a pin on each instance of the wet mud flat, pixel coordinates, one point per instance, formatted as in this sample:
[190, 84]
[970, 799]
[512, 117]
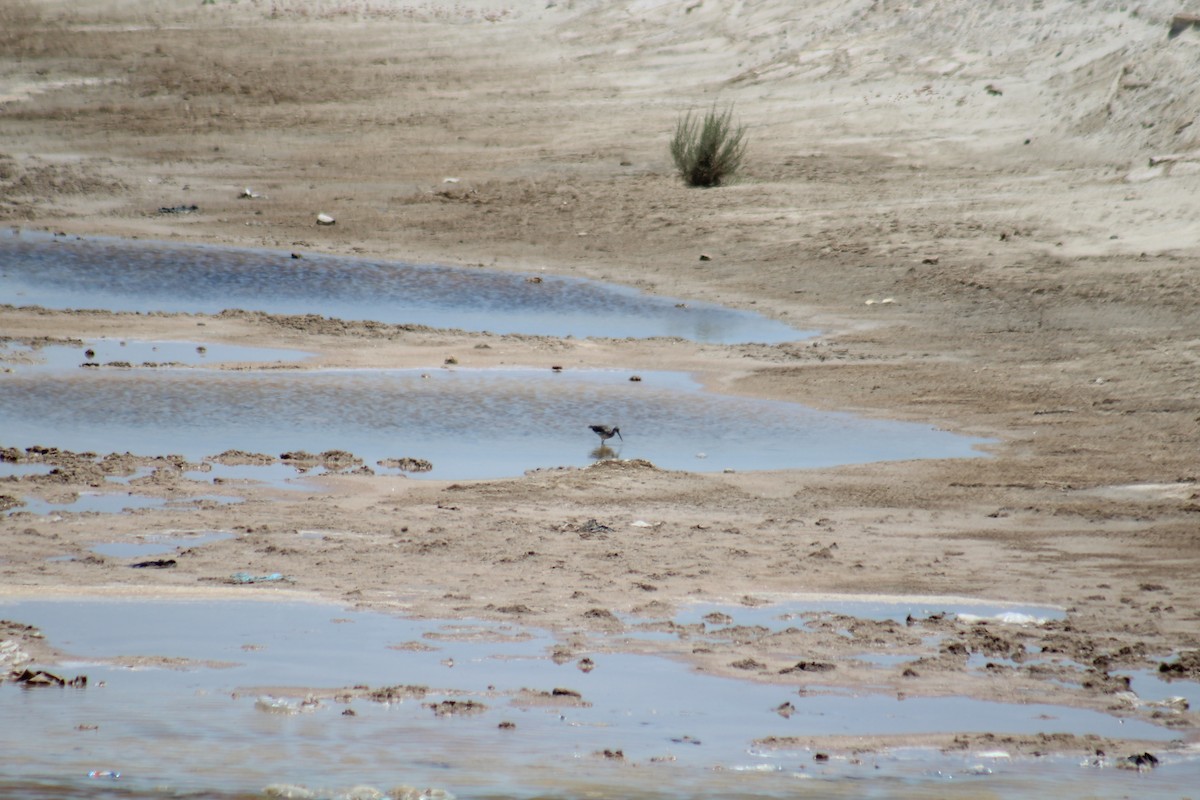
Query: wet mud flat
[484, 709]
[1043, 288]
[727, 700]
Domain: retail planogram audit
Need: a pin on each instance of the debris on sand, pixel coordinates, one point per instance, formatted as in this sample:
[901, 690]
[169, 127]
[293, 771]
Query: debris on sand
[807, 666]
[586, 530]
[1140, 761]
[514, 608]
[331, 460]
[449, 708]
[157, 563]
[395, 694]
[1187, 664]
[38, 677]
[1181, 23]
[406, 464]
[530, 698]
[282, 705]
[240, 578]
[231, 458]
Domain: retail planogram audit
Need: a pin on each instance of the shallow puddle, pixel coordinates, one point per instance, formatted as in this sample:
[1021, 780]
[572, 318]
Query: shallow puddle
[231, 718]
[135, 353]
[280, 475]
[157, 544]
[468, 423]
[9, 469]
[97, 502]
[1153, 686]
[118, 275]
[107, 503]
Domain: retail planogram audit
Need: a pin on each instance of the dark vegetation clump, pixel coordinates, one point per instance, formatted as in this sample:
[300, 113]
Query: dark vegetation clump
[708, 151]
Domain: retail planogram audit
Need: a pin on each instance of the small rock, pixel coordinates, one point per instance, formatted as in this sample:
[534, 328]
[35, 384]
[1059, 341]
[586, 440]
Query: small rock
[325, 219]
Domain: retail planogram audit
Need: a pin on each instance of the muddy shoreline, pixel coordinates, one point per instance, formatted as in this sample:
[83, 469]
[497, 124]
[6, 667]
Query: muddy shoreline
[1043, 297]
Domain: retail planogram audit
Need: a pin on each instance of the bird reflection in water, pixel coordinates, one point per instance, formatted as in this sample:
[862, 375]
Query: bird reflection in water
[603, 453]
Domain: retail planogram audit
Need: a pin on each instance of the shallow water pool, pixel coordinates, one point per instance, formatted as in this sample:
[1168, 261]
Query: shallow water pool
[468, 423]
[109, 503]
[157, 544]
[138, 353]
[123, 275]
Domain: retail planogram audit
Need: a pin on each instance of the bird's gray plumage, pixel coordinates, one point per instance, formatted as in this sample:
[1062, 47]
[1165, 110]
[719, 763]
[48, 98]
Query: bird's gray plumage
[605, 433]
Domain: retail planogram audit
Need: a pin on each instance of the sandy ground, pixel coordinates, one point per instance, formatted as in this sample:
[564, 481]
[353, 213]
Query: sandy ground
[1021, 181]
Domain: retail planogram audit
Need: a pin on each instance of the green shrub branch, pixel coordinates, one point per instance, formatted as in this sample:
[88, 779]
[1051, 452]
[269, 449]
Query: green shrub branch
[708, 152]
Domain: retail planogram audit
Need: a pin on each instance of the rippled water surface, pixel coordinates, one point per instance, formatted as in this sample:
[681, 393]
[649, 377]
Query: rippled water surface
[121, 275]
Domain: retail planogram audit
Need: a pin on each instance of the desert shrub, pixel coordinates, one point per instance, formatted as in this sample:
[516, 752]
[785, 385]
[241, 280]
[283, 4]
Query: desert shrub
[708, 151]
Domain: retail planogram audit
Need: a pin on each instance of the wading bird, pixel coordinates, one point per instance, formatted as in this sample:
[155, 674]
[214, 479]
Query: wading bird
[605, 433]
